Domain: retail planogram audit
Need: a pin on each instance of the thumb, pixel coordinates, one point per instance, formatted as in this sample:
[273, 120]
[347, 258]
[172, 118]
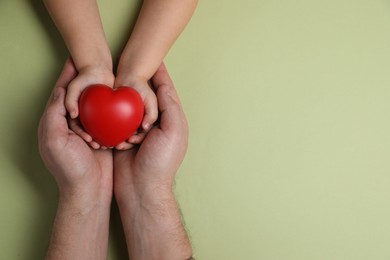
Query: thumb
[54, 117]
[55, 114]
[171, 111]
[53, 123]
[72, 98]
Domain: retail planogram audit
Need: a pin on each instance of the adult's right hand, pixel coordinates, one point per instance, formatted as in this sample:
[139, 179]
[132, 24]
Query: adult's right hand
[143, 178]
[156, 160]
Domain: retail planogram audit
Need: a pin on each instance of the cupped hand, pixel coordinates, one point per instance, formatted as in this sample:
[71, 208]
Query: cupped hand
[76, 167]
[155, 161]
[85, 77]
[141, 85]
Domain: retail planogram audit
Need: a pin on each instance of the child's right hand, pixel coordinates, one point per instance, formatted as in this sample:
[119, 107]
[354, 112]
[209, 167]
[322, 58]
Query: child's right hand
[85, 78]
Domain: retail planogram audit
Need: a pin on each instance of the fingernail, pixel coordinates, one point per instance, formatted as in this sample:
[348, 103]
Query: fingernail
[73, 115]
[146, 126]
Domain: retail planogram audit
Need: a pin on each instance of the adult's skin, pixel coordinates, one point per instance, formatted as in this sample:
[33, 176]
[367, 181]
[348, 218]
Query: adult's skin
[143, 180]
[85, 182]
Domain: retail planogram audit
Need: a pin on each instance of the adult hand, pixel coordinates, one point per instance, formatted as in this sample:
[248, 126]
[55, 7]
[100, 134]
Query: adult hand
[84, 177]
[75, 166]
[154, 163]
[143, 182]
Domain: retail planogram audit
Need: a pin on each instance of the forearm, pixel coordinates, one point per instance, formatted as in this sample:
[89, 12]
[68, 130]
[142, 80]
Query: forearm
[152, 225]
[159, 24]
[80, 26]
[80, 229]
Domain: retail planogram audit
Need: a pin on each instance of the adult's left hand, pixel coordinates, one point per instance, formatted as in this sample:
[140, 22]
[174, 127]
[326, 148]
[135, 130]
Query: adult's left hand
[77, 168]
[85, 181]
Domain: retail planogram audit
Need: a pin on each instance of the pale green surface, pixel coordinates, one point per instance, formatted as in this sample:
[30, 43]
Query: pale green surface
[288, 105]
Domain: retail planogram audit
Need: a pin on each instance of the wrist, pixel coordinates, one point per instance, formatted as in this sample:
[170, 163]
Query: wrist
[94, 60]
[130, 80]
[85, 200]
[130, 74]
[82, 208]
[96, 74]
[80, 229]
[101, 67]
[155, 208]
[139, 195]
[152, 218]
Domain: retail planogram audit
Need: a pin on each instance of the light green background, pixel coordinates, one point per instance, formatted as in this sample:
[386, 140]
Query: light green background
[288, 105]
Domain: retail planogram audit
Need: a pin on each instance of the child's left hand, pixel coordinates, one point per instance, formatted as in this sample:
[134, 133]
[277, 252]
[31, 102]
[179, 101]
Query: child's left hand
[150, 116]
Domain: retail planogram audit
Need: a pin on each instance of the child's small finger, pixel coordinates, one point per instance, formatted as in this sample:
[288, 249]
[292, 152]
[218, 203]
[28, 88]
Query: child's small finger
[72, 108]
[133, 139]
[137, 139]
[124, 146]
[74, 124]
[86, 136]
[94, 145]
[78, 130]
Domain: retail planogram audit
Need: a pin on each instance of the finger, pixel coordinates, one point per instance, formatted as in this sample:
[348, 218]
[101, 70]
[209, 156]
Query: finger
[67, 75]
[75, 126]
[58, 94]
[151, 111]
[124, 146]
[94, 145]
[54, 117]
[172, 115]
[161, 77]
[137, 139]
[53, 123]
[72, 98]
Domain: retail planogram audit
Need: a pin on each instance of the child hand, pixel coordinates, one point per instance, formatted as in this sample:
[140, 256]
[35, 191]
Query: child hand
[150, 116]
[85, 78]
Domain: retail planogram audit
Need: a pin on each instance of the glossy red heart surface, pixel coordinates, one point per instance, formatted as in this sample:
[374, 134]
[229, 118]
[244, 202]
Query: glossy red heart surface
[109, 115]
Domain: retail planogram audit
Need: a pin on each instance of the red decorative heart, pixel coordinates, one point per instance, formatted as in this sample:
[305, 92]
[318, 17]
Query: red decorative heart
[109, 115]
